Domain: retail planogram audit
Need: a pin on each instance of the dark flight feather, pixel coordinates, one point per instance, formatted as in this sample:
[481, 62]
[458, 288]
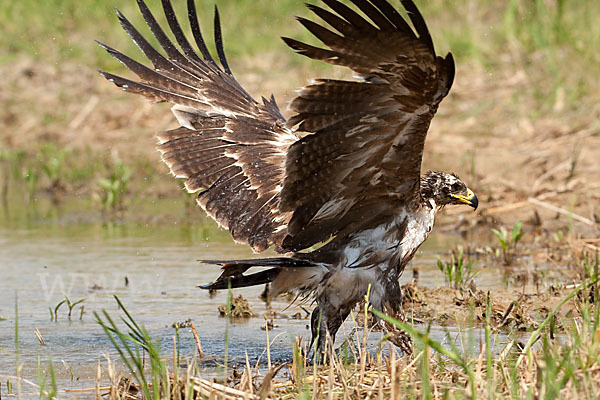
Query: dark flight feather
[257, 278]
[374, 15]
[158, 60]
[419, 23]
[160, 35]
[219, 42]
[394, 16]
[233, 271]
[197, 33]
[178, 32]
[349, 15]
[336, 22]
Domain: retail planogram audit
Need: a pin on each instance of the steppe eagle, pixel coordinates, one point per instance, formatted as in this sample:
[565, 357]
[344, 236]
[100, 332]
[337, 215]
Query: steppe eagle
[344, 170]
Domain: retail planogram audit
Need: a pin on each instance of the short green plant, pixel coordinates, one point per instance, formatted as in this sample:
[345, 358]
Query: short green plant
[508, 241]
[54, 311]
[130, 347]
[115, 185]
[458, 271]
[558, 236]
[14, 160]
[453, 355]
[558, 365]
[31, 178]
[53, 161]
[5, 175]
[52, 391]
[70, 305]
[9, 386]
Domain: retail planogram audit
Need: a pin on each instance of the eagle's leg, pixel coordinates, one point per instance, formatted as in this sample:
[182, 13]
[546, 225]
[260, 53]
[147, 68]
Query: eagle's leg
[318, 331]
[392, 306]
[325, 323]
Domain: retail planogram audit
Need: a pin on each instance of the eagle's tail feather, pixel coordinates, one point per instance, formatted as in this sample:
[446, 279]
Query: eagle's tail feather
[262, 262]
[233, 271]
[239, 281]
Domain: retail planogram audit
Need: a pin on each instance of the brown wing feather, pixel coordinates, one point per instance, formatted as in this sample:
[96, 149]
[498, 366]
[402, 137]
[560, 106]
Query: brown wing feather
[230, 148]
[364, 158]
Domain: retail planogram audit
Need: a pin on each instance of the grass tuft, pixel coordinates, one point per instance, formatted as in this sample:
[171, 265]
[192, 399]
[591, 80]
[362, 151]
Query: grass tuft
[508, 241]
[458, 271]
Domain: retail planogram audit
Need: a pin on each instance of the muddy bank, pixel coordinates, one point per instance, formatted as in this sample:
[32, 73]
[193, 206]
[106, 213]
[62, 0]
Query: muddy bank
[512, 310]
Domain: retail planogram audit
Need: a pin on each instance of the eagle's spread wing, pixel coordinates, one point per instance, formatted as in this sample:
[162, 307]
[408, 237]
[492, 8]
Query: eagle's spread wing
[363, 161]
[254, 176]
[229, 147]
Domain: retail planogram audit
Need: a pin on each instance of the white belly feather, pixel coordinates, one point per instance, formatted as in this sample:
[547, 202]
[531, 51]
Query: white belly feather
[369, 254]
[379, 239]
[365, 260]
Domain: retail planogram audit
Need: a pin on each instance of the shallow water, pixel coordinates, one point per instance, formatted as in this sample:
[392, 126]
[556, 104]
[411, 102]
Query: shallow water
[48, 253]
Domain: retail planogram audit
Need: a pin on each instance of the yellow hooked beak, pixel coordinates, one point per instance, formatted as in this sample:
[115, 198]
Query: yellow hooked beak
[470, 199]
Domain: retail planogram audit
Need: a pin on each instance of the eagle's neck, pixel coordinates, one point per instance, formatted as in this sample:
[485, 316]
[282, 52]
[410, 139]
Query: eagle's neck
[430, 204]
[418, 227]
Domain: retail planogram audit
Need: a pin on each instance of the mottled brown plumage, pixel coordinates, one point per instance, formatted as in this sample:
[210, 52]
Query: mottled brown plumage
[346, 165]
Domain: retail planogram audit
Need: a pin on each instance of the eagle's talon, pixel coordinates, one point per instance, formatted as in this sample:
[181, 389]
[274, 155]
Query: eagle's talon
[403, 341]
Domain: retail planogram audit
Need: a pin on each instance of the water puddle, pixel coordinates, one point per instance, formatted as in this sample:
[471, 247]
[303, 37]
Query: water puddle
[151, 266]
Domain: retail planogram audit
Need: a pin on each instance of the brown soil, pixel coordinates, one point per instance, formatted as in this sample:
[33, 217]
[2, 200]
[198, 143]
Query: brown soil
[544, 168]
[511, 309]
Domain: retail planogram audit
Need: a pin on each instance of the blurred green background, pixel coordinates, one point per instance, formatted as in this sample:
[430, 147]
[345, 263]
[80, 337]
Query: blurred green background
[559, 38]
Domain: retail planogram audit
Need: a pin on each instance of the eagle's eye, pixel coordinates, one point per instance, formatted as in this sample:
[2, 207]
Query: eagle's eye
[456, 187]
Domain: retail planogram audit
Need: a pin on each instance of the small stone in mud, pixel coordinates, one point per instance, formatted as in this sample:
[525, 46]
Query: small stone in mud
[411, 293]
[185, 324]
[269, 325]
[127, 388]
[444, 319]
[239, 308]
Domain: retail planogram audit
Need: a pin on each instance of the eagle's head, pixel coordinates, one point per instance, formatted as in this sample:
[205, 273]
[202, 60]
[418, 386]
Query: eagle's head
[444, 189]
